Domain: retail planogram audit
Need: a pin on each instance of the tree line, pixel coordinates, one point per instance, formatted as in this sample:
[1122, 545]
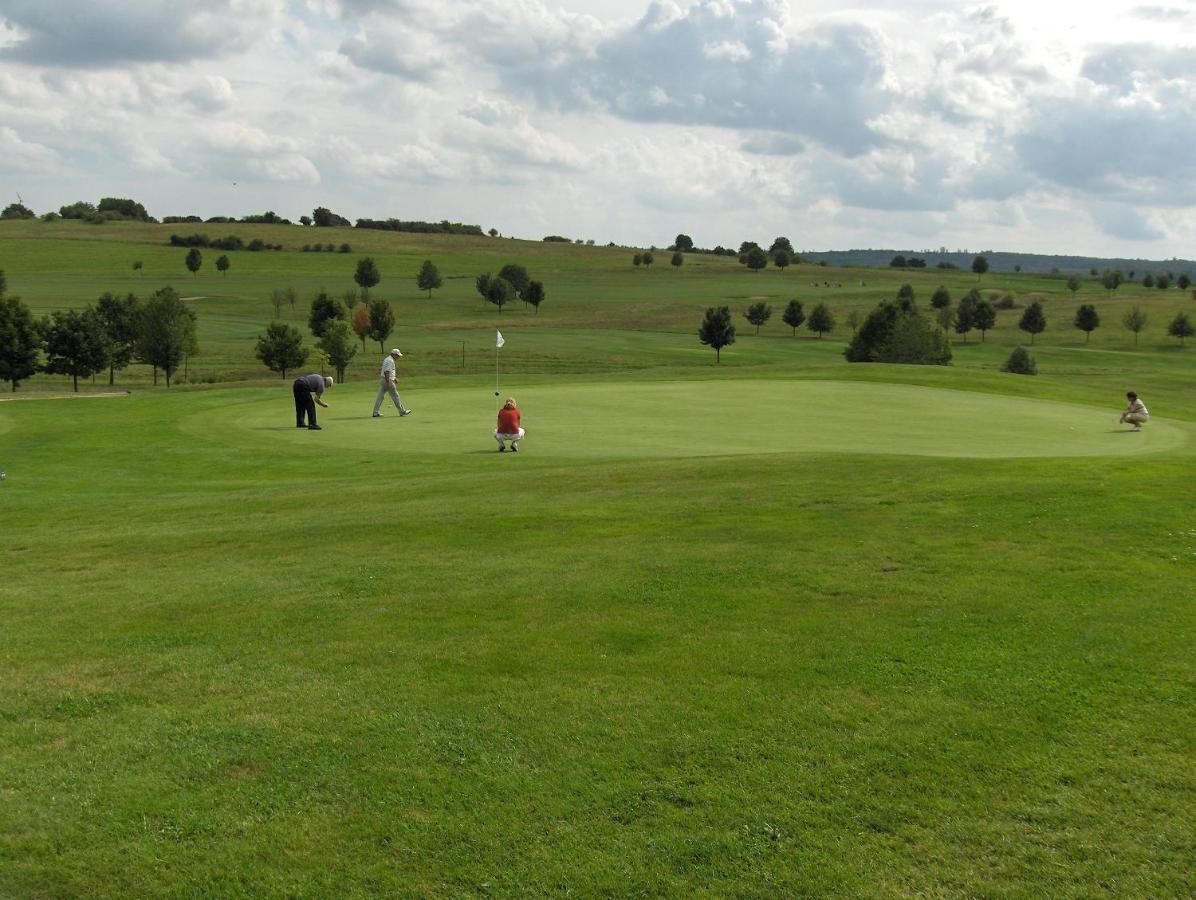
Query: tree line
[159, 331]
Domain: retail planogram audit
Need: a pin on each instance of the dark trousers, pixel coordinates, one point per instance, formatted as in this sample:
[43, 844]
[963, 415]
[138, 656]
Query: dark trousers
[304, 405]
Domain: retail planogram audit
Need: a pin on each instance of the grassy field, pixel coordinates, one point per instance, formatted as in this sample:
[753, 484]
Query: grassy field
[777, 626]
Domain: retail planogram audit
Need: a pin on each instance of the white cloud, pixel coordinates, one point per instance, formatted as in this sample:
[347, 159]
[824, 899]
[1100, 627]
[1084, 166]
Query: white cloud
[18, 156]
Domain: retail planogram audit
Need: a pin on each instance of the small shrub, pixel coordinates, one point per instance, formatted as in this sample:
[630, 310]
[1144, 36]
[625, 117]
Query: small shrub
[1020, 362]
[1006, 301]
[345, 248]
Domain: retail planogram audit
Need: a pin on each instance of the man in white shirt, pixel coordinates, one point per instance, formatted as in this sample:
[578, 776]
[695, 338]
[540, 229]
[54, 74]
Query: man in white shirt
[388, 385]
[1135, 412]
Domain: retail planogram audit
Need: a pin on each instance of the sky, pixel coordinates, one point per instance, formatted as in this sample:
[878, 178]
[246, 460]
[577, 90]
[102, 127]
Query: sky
[914, 125]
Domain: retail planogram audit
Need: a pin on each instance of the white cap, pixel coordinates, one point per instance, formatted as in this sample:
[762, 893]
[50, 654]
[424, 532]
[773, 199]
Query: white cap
[396, 352]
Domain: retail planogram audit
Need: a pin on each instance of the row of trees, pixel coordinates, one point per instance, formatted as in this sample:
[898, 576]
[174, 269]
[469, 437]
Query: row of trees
[512, 282]
[820, 320]
[159, 332]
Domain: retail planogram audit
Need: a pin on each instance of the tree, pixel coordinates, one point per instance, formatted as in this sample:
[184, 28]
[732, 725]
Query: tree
[1135, 321]
[895, 332]
[897, 262]
[17, 211]
[305, 221]
[638, 259]
[684, 243]
[278, 300]
[74, 343]
[1073, 284]
[941, 298]
[781, 260]
[19, 340]
[965, 313]
[281, 348]
[984, 317]
[781, 245]
[138, 265]
[821, 320]
[1020, 362]
[979, 266]
[793, 315]
[758, 314]
[1180, 327]
[1087, 320]
[222, 264]
[338, 345]
[194, 260]
[1148, 280]
[756, 259]
[649, 259]
[516, 276]
[325, 218]
[382, 321]
[119, 318]
[1183, 282]
[367, 275]
[482, 284]
[324, 309]
[1111, 280]
[535, 294]
[716, 330]
[1033, 320]
[428, 278]
[360, 322]
[854, 320]
[165, 333]
[499, 292]
[1162, 282]
[678, 260]
[905, 292]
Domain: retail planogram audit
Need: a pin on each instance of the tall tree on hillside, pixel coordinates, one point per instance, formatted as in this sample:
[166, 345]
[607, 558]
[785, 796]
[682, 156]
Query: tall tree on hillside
[166, 333]
[360, 322]
[367, 275]
[516, 276]
[793, 315]
[1033, 320]
[1135, 321]
[716, 330]
[499, 292]
[428, 278]
[941, 298]
[781, 260]
[324, 309]
[535, 294]
[758, 314]
[1180, 327]
[19, 341]
[222, 264]
[1111, 280]
[781, 245]
[984, 317]
[905, 292]
[281, 348]
[1162, 282]
[482, 285]
[382, 321]
[821, 320]
[1087, 320]
[120, 318]
[74, 344]
[648, 259]
[339, 346]
[194, 260]
[678, 259]
[637, 260]
[965, 313]
[979, 266]
[684, 243]
[756, 259]
[1073, 284]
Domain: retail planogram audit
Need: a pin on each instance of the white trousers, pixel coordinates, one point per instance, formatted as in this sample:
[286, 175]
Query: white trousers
[501, 437]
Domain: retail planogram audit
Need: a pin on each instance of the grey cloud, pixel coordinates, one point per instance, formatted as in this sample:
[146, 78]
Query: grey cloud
[78, 34]
[392, 51]
[773, 144]
[1122, 65]
[726, 64]
[1160, 13]
[1122, 222]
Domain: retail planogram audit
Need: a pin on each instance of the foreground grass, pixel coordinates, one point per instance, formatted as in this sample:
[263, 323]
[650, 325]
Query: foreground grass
[346, 670]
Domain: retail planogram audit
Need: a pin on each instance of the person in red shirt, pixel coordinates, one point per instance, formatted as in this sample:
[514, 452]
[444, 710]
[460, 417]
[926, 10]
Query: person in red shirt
[508, 427]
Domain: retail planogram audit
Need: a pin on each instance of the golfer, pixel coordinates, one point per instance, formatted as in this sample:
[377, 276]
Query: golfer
[309, 390]
[1135, 412]
[508, 427]
[388, 385]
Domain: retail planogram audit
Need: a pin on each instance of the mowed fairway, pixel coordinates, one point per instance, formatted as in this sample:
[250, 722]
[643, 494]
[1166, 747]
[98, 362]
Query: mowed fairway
[710, 418]
[773, 626]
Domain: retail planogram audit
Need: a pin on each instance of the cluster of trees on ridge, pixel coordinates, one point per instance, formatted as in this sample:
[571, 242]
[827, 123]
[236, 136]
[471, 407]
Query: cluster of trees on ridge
[511, 283]
[114, 332]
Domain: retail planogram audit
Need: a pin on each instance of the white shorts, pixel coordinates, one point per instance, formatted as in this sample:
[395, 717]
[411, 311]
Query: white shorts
[500, 437]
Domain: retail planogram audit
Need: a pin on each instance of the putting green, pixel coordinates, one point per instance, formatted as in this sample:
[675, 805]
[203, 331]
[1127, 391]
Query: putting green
[675, 419]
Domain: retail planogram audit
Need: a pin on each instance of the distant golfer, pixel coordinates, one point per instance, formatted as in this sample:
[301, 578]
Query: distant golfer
[508, 427]
[1135, 412]
[309, 390]
[388, 385]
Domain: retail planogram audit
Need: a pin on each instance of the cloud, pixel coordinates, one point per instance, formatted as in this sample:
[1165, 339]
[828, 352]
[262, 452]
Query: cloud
[213, 94]
[242, 152]
[1122, 222]
[393, 49]
[18, 156]
[89, 34]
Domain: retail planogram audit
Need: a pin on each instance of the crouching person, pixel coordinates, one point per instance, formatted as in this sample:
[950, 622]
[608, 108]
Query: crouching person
[508, 429]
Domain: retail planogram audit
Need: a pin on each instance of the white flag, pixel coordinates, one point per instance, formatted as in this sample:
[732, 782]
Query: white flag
[498, 342]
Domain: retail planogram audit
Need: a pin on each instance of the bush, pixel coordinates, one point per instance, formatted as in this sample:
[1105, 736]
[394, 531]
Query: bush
[1020, 362]
[898, 333]
[1006, 302]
